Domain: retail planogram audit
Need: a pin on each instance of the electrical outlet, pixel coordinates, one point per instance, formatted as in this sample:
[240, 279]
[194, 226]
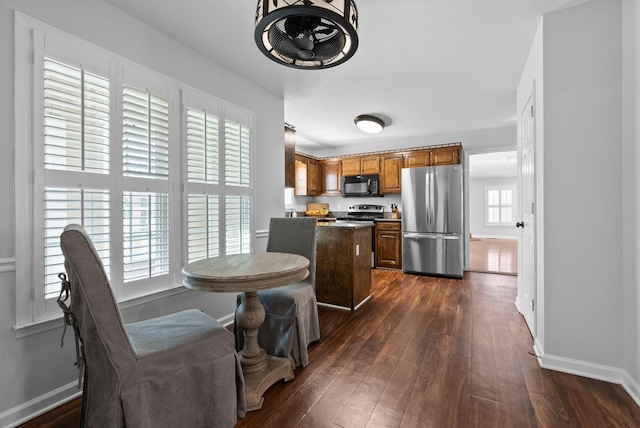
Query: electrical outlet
[357, 250]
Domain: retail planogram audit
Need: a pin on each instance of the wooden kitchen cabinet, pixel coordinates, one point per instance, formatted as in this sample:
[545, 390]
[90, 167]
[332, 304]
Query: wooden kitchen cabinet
[445, 156]
[370, 164]
[351, 166]
[389, 244]
[307, 176]
[417, 158]
[433, 157]
[314, 187]
[289, 157]
[391, 173]
[343, 265]
[331, 176]
[357, 165]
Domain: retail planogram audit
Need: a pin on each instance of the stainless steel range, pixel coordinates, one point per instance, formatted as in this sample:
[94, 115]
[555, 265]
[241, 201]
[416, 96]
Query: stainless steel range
[364, 212]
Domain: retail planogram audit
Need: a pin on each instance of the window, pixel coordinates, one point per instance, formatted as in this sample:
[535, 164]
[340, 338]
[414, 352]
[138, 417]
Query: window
[158, 173]
[203, 178]
[499, 203]
[75, 152]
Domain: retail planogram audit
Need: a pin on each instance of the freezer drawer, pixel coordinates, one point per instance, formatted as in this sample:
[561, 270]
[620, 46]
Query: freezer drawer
[434, 253]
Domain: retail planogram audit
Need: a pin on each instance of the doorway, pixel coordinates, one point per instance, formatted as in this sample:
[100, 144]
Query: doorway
[493, 203]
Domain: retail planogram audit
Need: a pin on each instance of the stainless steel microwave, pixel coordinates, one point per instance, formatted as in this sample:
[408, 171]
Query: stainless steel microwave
[361, 186]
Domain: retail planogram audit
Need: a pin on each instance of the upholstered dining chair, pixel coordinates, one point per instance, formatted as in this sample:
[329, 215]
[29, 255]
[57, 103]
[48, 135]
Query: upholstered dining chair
[177, 370]
[291, 313]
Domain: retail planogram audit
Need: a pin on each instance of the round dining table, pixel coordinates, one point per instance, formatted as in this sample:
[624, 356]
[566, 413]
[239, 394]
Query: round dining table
[249, 273]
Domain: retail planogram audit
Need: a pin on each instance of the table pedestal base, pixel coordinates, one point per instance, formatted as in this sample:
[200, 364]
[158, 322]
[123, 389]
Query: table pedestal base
[255, 384]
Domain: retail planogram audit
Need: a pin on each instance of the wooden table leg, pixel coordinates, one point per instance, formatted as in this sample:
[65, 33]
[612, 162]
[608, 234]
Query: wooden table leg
[259, 369]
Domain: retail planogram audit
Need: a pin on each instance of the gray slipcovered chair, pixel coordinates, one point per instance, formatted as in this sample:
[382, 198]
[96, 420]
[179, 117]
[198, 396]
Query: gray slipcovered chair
[177, 370]
[291, 311]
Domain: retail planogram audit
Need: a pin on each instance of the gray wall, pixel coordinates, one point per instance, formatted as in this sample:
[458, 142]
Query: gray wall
[584, 63]
[582, 183]
[477, 208]
[630, 187]
[35, 371]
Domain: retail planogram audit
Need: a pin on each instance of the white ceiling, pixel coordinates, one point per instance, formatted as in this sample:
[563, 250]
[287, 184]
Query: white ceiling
[426, 66]
[493, 165]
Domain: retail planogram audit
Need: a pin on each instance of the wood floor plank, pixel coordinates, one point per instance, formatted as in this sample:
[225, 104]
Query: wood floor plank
[424, 403]
[357, 411]
[324, 412]
[391, 406]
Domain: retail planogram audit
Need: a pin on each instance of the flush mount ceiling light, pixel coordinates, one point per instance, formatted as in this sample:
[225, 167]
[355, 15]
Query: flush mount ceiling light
[307, 34]
[369, 124]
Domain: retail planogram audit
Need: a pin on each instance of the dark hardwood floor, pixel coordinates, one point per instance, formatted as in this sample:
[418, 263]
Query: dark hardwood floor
[428, 352]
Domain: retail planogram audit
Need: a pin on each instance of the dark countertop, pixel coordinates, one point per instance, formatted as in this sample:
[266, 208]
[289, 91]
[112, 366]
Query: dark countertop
[388, 219]
[345, 224]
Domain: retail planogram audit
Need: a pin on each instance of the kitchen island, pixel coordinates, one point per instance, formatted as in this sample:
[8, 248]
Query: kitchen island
[343, 263]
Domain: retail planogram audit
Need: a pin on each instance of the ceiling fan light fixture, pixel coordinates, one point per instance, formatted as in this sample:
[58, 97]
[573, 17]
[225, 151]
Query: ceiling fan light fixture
[307, 34]
[369, 123]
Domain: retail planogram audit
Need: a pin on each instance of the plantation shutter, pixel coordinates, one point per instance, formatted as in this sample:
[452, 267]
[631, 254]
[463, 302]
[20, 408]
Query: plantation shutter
[203, 203]
[76, 162]
[237, 181]
[145, 157]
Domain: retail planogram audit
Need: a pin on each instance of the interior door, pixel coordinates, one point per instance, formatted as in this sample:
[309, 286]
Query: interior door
[526, 241]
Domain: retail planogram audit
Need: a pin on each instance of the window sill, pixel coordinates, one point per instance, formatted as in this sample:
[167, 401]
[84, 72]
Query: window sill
[42, 326]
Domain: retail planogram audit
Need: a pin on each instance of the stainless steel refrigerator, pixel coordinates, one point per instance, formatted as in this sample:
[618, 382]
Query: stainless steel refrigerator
[432, 220]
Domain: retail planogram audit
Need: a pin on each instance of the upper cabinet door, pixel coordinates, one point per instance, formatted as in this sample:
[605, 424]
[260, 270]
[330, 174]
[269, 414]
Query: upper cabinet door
[391, 174]
[445, 156]
[331, 177]
[370, 164]
[301, 175]
[416, 158]
[313, 177]
[351, 166]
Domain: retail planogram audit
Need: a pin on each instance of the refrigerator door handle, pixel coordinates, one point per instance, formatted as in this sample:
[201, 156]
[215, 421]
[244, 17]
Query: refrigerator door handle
[430, 236]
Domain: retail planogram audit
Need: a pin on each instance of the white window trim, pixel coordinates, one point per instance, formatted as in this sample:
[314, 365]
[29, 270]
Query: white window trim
[486, 204]
[31, 312]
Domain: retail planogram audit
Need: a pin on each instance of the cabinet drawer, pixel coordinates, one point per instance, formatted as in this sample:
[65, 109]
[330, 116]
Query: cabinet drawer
[388, 225]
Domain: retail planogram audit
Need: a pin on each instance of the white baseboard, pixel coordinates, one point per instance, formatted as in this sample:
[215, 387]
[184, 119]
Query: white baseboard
[227, 320]
[39, 405]
[631, 386]
[587, 369]
[329, 305]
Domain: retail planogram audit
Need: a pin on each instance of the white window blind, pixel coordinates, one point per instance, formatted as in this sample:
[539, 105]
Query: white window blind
[145, 154]
[238, 224]
[89, 208]
[202, 147]
[146, 134]
[203, 170]
[203, 228]
[237, 174]
[145, 235]
[76, 148]
[236, 154]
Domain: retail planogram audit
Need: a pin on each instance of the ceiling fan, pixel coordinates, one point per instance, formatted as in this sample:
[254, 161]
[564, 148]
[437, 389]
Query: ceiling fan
[307, 34]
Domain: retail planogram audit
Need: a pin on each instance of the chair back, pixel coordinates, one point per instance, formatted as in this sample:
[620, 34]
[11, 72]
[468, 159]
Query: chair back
[93, 304]
[295, 235]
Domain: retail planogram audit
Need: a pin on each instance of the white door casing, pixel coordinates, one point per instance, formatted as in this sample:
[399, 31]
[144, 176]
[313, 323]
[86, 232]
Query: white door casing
[526, 241]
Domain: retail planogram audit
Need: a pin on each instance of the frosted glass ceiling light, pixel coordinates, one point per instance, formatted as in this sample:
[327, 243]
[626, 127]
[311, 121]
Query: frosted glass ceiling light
[307, 34]
[369, 124]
